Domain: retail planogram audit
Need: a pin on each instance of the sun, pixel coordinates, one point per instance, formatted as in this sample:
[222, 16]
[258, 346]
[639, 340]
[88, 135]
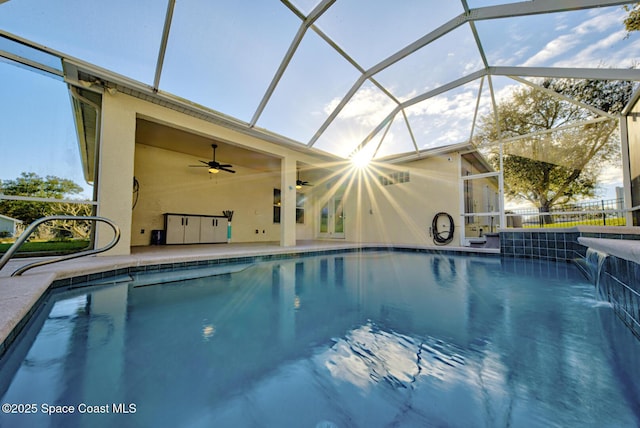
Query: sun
[360, 159]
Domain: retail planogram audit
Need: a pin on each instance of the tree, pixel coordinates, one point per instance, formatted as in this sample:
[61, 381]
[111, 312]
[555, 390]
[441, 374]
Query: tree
[556, 164]
[76, 228]
[31, 184]
[632, 21]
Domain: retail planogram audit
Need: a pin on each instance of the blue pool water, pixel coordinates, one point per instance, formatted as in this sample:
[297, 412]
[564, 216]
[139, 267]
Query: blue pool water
[354, 340]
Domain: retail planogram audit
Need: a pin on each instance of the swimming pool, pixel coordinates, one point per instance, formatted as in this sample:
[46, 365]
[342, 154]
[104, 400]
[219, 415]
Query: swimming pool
[352, 340]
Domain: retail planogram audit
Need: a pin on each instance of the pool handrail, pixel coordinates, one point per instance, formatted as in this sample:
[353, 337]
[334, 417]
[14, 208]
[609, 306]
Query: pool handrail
[32, 227]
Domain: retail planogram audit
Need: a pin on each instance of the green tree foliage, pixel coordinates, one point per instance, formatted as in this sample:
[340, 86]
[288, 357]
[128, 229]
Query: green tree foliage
[632, 21]
[31, 184]
[557, 164]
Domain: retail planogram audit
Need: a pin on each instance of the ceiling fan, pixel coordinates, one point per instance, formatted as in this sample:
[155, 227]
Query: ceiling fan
[215, 167]
[300, 183]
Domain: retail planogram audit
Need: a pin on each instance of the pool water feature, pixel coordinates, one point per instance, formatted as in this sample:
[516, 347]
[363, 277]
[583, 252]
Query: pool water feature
[353, 340]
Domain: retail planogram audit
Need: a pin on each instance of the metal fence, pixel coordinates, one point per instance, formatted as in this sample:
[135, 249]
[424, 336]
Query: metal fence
[609, 212]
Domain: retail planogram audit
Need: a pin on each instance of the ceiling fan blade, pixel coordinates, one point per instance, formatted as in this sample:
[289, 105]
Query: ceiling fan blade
[213, 165]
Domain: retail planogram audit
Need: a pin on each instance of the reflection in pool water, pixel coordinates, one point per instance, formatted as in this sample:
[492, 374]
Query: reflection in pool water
[373, 339]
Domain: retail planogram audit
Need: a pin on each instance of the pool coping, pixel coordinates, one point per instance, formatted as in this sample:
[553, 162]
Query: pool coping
[21, 296]
[627, 250]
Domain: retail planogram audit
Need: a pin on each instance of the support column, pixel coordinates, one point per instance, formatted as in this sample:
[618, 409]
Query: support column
[115, 171]
[626, 169]
[288, 198]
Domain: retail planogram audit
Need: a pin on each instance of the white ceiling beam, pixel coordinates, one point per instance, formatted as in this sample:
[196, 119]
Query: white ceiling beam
[279, 73]
[415, 100]
[483, 13]
[475, 110]
[386, 130]
[34, 64]
[404, 52]
[444, 88]
[569, 73]
[410, 130]
[293, 9]
[29, 62]
[352, 61]
[536, 7]
[418, 44]
[337, 110]
[163, 43]
[308, 22]
[386, 121]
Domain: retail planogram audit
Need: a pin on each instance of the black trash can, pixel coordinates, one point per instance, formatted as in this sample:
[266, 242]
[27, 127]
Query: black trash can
[157, 237]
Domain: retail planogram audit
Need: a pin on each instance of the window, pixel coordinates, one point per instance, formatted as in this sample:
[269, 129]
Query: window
[394, 178]
[300, 198]
[277, 203]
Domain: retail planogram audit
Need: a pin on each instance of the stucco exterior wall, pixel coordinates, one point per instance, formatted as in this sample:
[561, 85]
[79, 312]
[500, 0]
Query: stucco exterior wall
[402, 213]
[397, 214]
[116, 172]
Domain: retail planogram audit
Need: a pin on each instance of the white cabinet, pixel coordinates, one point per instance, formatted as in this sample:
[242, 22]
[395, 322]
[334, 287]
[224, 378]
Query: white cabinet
[182, 229]
[213, 229]
[195, 229]
[191, 229]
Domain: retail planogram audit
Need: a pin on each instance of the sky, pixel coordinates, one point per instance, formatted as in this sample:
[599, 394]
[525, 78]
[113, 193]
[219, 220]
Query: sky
[37, 133]
[224, 55]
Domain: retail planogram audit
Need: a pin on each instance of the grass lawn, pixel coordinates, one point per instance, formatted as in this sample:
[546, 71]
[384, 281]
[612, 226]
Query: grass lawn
[614, 221]
[53, 247]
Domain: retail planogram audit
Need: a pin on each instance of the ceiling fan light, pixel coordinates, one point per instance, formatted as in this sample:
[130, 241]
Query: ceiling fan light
[298, 186]
[213, 170]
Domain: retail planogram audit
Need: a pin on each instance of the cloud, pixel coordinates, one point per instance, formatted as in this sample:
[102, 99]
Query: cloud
[600, 23]
[553, 49]
[445, 119]
[594, 54]
[611, 175]
[369, 106]
[608, 179]
[448, 104]
[592, 40]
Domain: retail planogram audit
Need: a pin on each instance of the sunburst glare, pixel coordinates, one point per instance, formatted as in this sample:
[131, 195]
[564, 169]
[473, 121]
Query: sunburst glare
[361, 159]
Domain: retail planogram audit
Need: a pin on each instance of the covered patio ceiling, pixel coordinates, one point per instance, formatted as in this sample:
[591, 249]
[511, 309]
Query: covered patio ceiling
[334, 76]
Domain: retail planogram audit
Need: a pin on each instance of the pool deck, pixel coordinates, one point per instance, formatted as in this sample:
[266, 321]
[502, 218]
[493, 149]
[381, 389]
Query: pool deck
[19, 294]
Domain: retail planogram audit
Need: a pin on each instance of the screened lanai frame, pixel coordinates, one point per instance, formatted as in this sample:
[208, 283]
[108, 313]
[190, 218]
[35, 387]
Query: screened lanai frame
[472, 17]
[311, 22]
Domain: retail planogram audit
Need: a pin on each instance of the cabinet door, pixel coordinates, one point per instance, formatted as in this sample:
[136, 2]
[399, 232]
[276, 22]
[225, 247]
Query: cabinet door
[221, 230]
[175, 229]
[207, 229]
[191, 229]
